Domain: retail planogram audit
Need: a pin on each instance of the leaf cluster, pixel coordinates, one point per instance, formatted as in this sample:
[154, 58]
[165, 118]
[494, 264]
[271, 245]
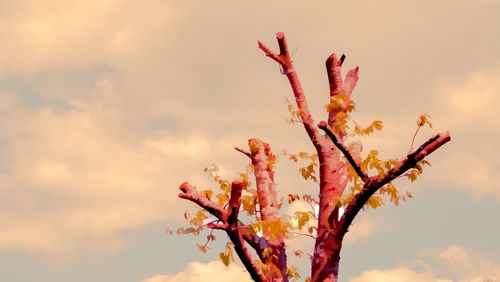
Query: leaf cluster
[309, 171]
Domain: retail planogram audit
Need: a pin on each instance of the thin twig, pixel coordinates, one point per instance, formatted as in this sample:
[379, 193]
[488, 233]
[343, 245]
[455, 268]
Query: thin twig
[302, 234]
[413, 139]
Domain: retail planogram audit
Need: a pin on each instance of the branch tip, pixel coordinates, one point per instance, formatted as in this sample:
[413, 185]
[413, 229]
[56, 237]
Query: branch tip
[237, 182]
[241, 150]
[185, 187]
[342, 58]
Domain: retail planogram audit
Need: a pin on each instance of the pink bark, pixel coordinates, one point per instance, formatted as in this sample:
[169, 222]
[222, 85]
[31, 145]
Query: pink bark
[268, 201]
[263, 161]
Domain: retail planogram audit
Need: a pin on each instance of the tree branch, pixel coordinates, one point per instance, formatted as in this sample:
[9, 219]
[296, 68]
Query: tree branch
[216, 225]
[190, 192]
[340, 145]
[337, 86]
[413, 158]
[376, 182]
[264, 178]
[233, 207]
[285, 61]
[263, 162]
[270, 53]
[351, 80]
[246, 258]
[333, 67]
[230, 224]
[258, 243]
[241, 150]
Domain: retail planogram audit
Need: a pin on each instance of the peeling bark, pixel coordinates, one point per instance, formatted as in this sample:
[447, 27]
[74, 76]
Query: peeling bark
[263, 161]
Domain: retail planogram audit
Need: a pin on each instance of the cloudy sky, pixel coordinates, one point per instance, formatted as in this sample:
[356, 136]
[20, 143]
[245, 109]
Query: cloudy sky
[107, 106]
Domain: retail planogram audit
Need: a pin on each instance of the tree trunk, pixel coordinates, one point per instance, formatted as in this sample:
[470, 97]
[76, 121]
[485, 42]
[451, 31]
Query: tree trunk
[326, 260]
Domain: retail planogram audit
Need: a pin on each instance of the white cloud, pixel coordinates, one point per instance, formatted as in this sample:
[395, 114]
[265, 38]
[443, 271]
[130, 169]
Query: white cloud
[475, 98]
[213, 271]
[71, 185]
[455, 264]
[398, 274]
[469, 110]
[363, 228]
[195, 146]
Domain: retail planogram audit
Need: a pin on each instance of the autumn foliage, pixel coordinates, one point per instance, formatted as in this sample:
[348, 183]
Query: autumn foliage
[348, 181]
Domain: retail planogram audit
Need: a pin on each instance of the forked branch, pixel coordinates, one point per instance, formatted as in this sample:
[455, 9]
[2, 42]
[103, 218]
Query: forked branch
[340, 145]
[228, 221]
[285, 61]
[190, 192]
[376, 182]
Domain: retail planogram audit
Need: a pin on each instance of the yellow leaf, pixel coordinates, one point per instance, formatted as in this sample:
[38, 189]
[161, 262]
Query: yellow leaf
[303, 155]
[314, 157]
[225, 186]
[347, 199]
[424, 119]
[207, 193]
[248, 203]
[309, 199]
[393, 192]
[292, 272]
[302, 218]
[292, 198]
[271, 161]
[203, 249]
[267, 252]
[375, 202]
[340, 102]
[198, 218]
[223, 198]
[311, 230]
[227, 255]
[377, 124]
[424, 162]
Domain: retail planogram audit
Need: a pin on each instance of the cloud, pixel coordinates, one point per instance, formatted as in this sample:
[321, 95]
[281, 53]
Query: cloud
[71, 185]
[76, 33]
[468, 109]
[453, 263]
[213, 271]
[364, 228]
[395, 275]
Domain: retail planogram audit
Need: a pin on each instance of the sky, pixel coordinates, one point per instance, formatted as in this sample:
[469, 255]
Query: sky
[107, 106]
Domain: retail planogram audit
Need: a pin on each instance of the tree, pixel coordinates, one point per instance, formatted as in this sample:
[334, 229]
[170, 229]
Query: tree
[339, 164]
